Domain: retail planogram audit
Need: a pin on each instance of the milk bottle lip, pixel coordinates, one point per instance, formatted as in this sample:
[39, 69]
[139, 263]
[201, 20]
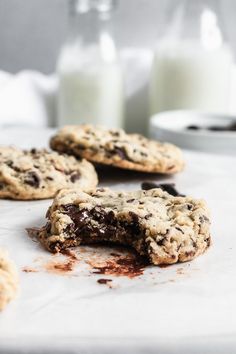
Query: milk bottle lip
[171, 126]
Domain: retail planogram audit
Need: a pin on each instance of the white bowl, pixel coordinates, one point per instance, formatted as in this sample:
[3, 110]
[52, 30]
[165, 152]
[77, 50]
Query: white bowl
[171, 126]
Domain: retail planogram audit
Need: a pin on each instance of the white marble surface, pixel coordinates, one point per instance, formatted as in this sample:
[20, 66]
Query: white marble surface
[187, 308]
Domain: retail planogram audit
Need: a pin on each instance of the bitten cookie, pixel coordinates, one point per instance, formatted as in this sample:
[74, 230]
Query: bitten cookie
[39, 174]
[115, 147]
[164, 228]
[8, 280]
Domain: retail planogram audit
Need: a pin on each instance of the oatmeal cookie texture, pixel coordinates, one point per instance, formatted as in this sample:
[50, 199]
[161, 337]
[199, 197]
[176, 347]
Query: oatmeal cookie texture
[39, 174]
[164, 228]
[115, 147]
[8, 280]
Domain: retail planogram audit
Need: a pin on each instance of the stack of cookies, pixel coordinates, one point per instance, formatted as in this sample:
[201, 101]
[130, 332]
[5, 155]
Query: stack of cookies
[162, 227]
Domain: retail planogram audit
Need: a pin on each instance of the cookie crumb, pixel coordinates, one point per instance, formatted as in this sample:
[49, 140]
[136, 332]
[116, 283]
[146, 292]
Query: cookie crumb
[103, 281]
[29, 270]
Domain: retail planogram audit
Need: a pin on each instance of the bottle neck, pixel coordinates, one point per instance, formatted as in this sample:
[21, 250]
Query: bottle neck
[90, 19]
[196, 21]
[91, 28]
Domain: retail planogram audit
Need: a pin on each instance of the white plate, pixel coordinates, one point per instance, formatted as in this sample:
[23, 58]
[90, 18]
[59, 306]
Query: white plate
[171, 126]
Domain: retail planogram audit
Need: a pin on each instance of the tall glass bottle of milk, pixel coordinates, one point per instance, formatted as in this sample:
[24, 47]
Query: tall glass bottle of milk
[192, 62]
[90, 74]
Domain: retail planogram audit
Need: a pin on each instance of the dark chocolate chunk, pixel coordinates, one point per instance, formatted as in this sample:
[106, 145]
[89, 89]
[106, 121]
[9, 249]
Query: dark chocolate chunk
[98, 224]
[166, 187]
[215, 128]
[32, 179]
[130, 200]
[121, 153]
[219, 128]
[10, 164]
[148, 216]
[134, 216]
[193, 127]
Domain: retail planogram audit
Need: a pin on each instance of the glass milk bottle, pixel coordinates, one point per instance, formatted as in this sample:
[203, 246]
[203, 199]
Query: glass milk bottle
[90, 74]
[192, 63]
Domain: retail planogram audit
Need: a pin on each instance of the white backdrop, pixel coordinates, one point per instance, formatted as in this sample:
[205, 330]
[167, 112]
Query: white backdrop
[31, 31]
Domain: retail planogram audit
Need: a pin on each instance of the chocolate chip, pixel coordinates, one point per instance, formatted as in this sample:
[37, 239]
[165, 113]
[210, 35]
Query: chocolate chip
[166, 187]
[2, 185]
[130, 200]
[203, 219]
[114, 133]
[99, 225]
[80, 147]
[122, 153]
[49, 178]
[189, 253]
[148, 216]
[228, 128]
[208, 241]
[193, 127]
[9, 163]
[134, 216]
[215, 128]
[144, 154]
[75, 176]
[179, 229]
[33, 151]
[161, 242]
[32, 179]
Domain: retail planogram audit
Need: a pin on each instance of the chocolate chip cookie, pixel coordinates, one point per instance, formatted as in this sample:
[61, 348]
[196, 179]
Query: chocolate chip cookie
[39, 174]
[8, 280]
[164, 228]
[115, 147]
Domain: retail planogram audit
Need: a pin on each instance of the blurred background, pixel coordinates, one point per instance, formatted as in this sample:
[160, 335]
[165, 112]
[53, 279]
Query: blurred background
[32, 33]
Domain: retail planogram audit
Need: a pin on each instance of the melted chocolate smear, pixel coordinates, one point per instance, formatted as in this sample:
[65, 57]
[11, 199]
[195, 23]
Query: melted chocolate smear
[62, 267]
[166, 187]
[59, 267]
[70, 254]
[129, 266]
[104, 281]
[164, 265]
[65, 266]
